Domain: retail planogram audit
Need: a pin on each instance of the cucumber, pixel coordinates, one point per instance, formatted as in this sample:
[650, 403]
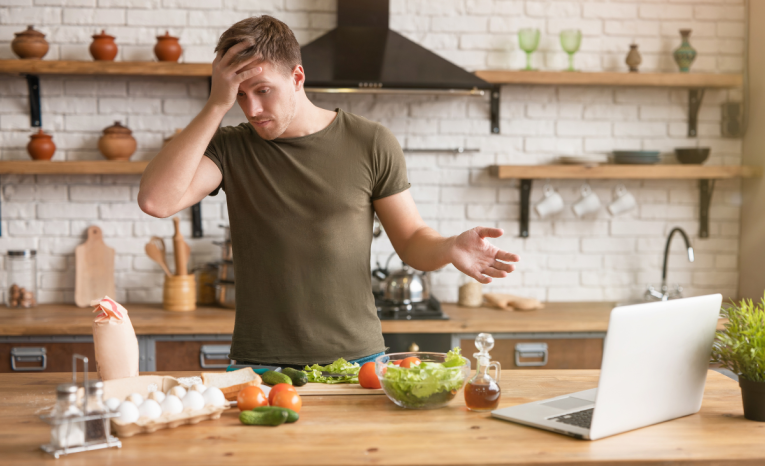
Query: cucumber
[268, 418]
[273, 378]
[292, 416]
[299, 378]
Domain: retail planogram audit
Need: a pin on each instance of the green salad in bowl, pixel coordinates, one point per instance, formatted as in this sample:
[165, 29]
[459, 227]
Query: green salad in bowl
[422, 380]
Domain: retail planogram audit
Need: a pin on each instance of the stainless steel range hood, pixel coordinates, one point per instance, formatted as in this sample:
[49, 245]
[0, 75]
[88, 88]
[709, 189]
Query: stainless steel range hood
[362, 55]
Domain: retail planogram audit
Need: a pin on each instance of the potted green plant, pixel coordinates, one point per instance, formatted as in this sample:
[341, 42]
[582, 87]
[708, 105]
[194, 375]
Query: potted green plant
[740, 347]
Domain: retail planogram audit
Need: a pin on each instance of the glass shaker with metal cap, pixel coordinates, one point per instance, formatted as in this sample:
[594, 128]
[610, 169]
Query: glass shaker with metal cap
[95, 429]
[66, 433]
[482, 392]
[21, 274]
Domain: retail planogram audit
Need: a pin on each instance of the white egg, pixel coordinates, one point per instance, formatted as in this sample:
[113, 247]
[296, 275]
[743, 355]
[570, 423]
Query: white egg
[198, 387]
[193, 400]
[113, 404]
[149, 409]
[178, 391]
[135, 398]
[172, 405]
[214, 397]
[128, 412]
[159, 397]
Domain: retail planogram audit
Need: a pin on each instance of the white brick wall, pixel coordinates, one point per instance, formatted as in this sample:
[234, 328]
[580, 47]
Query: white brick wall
[565, 258]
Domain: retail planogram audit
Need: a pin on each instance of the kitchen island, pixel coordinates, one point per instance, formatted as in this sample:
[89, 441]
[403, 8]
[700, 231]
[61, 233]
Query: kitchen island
[370, 429]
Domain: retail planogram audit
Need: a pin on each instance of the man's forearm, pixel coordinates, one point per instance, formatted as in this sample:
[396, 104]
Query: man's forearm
[427, 250]
[169, 175]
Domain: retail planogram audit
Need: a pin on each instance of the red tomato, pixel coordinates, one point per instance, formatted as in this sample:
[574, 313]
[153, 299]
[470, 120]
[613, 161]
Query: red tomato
[368, 377]
[397, 363]
[288, 399]
[250, 397]
[410, 361]
[280, 387]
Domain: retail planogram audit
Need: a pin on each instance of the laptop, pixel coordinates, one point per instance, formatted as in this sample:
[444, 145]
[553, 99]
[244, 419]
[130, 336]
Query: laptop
[655, 363]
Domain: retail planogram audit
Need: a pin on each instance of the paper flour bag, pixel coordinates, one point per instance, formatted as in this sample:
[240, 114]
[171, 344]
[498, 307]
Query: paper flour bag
[115, 341]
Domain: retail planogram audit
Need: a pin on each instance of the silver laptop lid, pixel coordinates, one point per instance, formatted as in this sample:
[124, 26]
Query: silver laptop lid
[655, 363]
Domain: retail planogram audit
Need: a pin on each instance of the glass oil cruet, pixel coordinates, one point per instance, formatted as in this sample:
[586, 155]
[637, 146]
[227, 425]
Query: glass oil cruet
[482, 391]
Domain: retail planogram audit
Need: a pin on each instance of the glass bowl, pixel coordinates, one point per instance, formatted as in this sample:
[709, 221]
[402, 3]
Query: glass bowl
[425, 386]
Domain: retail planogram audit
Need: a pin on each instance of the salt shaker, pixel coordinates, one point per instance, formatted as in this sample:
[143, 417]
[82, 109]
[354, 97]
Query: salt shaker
[96, 429]
[66, 434]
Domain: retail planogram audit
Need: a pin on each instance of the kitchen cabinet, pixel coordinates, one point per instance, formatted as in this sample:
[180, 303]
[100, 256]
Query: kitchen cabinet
[433, 342]
[542, 351]
[45, 354]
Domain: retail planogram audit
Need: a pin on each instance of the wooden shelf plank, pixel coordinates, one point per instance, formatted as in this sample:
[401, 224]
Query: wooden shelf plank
[684, 80]
[120, 68]
[624, 172]
[84, 167]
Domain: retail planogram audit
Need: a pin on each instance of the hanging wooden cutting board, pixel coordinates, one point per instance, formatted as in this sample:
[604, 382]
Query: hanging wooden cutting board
[94, 269]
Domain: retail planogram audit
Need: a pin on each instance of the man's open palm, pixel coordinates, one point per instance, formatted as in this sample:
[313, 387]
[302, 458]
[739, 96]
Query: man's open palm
[479, 259]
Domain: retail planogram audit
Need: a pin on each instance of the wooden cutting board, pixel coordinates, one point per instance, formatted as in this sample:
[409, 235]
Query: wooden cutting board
[94, 269]
[317, 389]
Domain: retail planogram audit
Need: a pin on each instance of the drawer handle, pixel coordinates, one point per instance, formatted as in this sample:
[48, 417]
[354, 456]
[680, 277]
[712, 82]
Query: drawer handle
[29, 354]
[215, 352]
[530, 350]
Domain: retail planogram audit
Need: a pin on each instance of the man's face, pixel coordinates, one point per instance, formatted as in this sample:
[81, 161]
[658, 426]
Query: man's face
[268, 99]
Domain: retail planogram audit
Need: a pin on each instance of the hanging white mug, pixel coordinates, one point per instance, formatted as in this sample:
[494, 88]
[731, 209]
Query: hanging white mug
[589, 202]
[551, 203]
[623, 201]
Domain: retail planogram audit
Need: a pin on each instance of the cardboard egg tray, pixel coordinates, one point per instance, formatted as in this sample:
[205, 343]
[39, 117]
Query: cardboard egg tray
[122, 388]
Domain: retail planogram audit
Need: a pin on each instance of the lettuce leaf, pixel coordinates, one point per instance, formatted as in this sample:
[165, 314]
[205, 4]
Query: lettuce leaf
[341, 366]
[415, 386]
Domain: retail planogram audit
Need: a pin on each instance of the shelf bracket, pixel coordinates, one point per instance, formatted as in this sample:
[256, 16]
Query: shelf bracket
[525, 201]
[706, 188]
[494, 95]
[35, 114]
[695, 96]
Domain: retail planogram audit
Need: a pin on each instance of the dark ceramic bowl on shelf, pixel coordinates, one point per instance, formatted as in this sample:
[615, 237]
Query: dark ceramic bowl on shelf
[692, 155]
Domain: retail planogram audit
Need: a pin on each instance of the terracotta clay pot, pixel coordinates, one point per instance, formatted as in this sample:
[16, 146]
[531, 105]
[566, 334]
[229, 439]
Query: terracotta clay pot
[117, 142]
[103, 47]
[41, 146]
[30, 44]
[633, 59]
[167, 48]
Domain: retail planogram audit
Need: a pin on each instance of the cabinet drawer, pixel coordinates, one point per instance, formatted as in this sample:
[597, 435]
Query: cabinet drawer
[58, 356]
[185, 355]
[562, 353]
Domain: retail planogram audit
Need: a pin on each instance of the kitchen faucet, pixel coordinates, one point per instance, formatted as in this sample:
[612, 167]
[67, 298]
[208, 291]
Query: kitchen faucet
[665, 294]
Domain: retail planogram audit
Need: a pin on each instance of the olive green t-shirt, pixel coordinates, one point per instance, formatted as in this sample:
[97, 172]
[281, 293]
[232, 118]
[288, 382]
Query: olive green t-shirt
[300, 211]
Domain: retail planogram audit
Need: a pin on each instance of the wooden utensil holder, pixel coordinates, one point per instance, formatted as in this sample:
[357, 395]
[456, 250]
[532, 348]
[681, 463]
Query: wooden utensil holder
[180, 293]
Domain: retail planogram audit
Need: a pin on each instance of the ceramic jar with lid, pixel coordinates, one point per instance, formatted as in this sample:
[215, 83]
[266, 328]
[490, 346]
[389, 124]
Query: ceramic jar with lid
[40, 146]
[167, 48]
[117, 143]
[30, 44]
[103, 47]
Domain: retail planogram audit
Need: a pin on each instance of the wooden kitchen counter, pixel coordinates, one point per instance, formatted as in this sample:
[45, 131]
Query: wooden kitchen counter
[151, 319]
[369, 429]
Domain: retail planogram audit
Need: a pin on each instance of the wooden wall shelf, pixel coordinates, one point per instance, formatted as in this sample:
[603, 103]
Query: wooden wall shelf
[705, 174]
[624, 172]
[84, 167]
[578, 78]
[114, 68]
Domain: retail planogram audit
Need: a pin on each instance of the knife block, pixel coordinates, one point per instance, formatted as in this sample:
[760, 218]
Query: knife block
[179, 293]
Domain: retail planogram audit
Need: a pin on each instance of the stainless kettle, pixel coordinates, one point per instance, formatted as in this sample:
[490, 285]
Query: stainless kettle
[406, 286]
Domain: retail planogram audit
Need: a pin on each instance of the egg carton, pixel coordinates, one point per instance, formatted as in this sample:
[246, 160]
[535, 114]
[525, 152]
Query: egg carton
[122, 388]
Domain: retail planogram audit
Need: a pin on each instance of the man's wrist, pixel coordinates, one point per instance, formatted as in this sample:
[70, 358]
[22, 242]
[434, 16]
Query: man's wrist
[449, 245]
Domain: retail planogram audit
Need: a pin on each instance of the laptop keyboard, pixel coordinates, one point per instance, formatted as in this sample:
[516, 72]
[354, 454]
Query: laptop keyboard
[579, 418]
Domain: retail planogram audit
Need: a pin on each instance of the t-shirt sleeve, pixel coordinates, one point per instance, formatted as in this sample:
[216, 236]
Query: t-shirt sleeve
[216, 151]
[389, 165]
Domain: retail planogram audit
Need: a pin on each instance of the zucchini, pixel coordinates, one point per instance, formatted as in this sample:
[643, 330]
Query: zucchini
[299, 378]
[268, 418]
[292, 416]
[273, 378]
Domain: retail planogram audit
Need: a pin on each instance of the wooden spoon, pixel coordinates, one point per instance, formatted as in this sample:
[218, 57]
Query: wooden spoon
[155, 249]
[181, 250]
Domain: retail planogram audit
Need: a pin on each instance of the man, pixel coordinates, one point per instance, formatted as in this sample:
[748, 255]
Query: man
[302, 185]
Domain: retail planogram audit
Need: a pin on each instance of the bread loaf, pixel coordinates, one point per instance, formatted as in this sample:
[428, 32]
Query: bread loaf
[231, 382]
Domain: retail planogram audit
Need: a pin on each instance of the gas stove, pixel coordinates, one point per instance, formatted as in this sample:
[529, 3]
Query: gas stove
[425, 310]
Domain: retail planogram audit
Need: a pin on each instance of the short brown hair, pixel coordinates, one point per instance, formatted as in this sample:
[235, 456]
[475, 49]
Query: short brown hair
[270, 38]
